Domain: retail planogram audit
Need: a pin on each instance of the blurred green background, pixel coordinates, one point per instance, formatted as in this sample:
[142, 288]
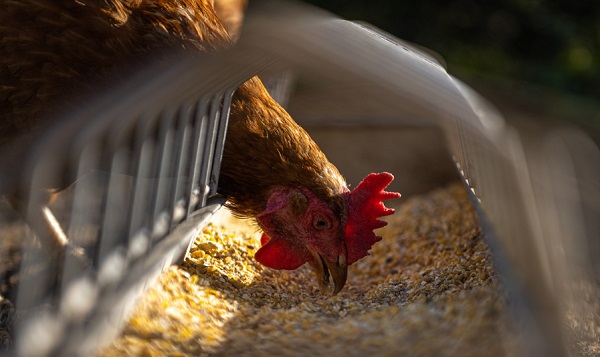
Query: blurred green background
[537, 52]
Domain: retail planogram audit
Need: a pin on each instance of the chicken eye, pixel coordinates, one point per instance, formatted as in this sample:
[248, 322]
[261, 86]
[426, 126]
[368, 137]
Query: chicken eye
[321, 223]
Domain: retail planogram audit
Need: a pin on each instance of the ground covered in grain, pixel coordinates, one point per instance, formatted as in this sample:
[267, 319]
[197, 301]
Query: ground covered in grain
[429, 288]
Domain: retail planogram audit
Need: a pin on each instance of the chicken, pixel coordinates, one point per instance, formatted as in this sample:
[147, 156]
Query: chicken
[274, 172]
[271, 171]
[58, 53]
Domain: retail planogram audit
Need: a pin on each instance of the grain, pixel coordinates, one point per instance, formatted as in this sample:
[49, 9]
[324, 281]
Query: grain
[429, 288]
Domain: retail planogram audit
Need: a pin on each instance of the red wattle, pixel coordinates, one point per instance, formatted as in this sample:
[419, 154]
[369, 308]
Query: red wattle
[264, 239]
[280, 254]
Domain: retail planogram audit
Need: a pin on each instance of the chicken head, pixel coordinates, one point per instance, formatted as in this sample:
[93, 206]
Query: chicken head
[299, 228]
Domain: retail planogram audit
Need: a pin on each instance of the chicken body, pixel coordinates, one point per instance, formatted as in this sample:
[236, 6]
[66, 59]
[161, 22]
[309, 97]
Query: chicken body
[55, 52]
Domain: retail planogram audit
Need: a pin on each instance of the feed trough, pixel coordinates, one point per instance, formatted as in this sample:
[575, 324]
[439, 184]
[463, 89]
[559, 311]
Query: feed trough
[141, 166]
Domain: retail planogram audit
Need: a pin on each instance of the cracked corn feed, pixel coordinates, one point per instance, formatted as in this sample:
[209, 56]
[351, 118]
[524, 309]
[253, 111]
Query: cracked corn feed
[428, 288]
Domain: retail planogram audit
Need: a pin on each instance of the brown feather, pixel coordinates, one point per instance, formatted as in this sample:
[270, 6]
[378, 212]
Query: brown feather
[54, 51]
[265, 149]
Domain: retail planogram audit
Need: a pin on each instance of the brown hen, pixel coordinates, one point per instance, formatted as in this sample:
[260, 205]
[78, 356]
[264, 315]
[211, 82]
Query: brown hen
[57, 52]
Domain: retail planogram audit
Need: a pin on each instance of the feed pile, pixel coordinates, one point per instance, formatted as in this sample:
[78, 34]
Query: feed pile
[428, 288]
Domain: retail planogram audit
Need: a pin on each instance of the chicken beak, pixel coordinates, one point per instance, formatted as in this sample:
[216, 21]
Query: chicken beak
[339, 272]
[323, 268]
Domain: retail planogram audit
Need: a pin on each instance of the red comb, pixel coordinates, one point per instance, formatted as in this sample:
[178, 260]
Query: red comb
[365, 205]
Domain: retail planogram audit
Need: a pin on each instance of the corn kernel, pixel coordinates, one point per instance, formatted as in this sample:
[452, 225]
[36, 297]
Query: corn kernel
[425, 289]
